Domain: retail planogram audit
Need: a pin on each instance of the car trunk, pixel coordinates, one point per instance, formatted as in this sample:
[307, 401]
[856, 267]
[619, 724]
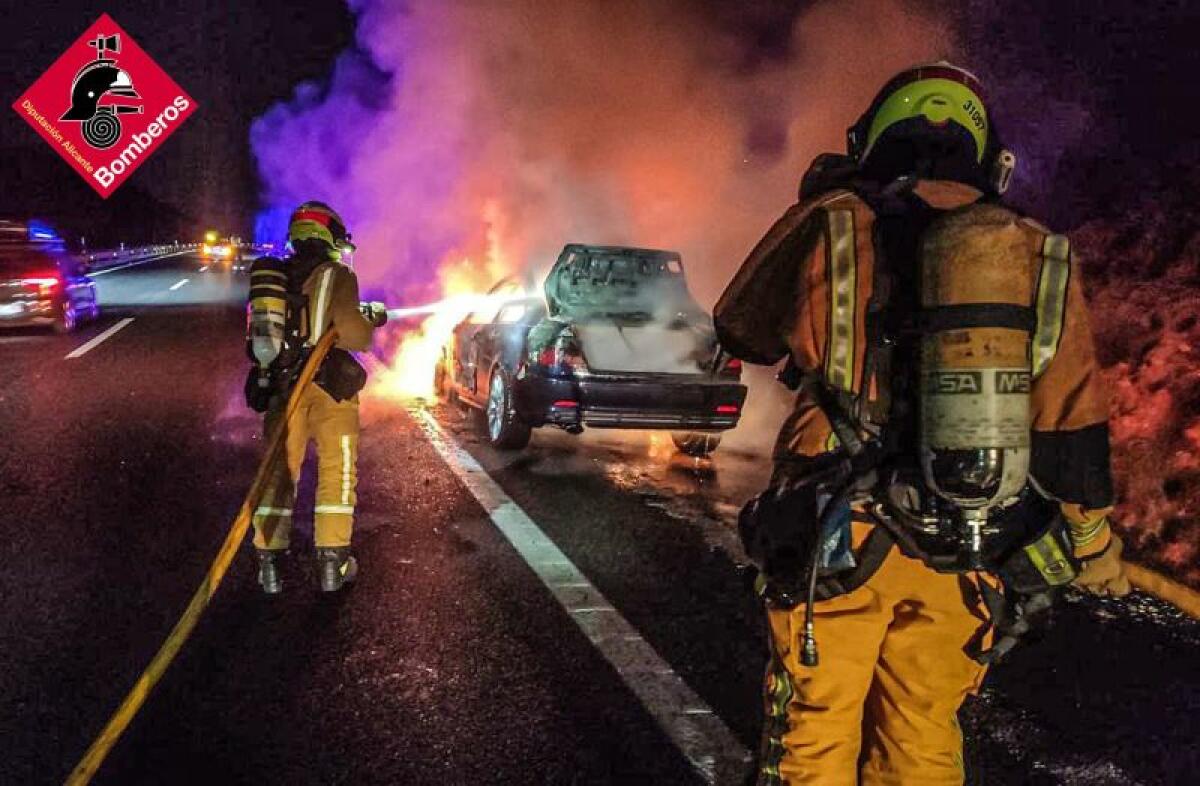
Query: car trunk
[614, 346]
[629, 310]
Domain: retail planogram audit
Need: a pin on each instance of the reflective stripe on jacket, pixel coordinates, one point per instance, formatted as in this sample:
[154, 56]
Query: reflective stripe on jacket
[332, 291]
[804, 291]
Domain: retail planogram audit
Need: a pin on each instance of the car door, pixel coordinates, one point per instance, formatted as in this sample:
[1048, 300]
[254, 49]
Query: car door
[467, 344]
[481, 352]
[478, 349]
[509, 331]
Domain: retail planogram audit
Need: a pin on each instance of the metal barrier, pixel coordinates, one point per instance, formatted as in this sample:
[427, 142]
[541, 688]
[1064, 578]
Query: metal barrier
[99, 260]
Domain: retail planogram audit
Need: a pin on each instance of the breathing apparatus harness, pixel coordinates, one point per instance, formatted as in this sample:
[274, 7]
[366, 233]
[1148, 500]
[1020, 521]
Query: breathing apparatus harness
[277, 329]
[898, 461]
[277, 326]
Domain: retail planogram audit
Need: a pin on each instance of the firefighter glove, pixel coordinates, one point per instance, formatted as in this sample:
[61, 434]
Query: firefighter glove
[1104, 573]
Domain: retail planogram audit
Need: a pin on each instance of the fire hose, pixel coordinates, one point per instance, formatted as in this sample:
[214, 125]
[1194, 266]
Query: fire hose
[120, 720]
[1167, 590]
[1151, 582]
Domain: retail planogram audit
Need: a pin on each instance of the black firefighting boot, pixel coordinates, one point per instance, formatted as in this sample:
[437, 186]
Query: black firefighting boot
[336, 567]
[269, 577]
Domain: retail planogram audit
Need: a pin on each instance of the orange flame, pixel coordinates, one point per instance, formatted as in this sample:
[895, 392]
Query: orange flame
[463, 282]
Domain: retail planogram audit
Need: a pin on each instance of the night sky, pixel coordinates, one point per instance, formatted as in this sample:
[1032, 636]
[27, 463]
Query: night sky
[1130, 68]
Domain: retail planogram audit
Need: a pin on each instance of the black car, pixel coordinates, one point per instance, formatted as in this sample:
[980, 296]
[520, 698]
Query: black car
[618, 342]
[41, 283]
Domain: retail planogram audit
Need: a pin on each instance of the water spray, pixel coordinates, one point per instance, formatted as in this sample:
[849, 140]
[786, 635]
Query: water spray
[458, 303]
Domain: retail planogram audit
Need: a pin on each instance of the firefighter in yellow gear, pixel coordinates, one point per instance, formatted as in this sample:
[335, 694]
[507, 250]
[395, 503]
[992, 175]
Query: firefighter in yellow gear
[293, 304]
[897, 263]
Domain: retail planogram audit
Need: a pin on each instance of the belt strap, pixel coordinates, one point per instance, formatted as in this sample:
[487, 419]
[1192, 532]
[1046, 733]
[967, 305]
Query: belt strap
[964, 316]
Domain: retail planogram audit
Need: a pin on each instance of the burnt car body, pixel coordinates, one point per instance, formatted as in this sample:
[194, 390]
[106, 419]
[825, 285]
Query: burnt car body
[617, 342]
[41, 283]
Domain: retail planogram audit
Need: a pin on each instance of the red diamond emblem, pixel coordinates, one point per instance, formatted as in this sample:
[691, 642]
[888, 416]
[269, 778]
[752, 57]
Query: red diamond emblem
[105, 106]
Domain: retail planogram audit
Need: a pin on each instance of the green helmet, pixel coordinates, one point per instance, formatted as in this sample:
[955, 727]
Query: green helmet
[317, 221]
[935, 100]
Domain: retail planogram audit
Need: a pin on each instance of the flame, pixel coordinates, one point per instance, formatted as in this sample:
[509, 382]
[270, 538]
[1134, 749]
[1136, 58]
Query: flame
[660, 446]
[464, 282]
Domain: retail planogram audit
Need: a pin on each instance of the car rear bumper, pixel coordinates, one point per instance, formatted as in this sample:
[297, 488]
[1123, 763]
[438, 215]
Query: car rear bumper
[22, 313]
[652, 401]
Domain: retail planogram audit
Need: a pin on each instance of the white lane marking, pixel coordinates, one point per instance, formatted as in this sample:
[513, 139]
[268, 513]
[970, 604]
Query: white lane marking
[98, 340]
[204, 268]
[696, 730]
[178, 284]
[106, 271]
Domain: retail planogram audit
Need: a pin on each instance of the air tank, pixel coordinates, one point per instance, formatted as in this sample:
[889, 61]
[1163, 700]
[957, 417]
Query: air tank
[975, 360]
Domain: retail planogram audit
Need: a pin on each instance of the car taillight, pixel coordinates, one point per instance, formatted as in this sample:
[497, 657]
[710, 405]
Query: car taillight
[732, 369]
[45, 285]
[564, 356]
[727, 409]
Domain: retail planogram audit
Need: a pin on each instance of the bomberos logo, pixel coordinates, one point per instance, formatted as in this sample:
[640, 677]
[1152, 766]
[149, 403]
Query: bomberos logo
[105, 106]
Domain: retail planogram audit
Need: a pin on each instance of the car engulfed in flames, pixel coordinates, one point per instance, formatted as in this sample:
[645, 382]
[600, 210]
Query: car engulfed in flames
[617, 342]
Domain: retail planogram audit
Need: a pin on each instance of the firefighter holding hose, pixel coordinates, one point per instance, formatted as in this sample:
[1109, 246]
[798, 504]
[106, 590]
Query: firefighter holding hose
[945, 469]
[293, 303]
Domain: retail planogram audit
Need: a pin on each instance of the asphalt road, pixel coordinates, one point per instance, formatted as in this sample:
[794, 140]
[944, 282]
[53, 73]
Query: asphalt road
[606, 638]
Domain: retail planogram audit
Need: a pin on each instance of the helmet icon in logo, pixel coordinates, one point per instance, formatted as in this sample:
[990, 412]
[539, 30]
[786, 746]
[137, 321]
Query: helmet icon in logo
[99, 78]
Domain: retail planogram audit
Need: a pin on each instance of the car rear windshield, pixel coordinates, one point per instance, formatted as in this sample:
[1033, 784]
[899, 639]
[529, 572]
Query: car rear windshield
[593, 283]
[14, 262]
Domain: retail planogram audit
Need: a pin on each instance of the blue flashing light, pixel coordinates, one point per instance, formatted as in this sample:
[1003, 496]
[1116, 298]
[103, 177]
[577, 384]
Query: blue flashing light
[42, 232]
[271, 225]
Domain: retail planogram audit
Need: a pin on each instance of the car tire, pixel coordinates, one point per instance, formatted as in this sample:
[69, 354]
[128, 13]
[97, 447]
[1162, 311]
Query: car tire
[504, 427]
[695, 443]
[67, 320]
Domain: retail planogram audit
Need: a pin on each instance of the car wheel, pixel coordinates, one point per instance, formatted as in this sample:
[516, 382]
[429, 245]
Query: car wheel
[67, 320]
[694, 443]
[505, 429]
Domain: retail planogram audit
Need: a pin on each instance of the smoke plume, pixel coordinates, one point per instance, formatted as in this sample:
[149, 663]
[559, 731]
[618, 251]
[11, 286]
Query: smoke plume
[497, 132]
[467, 140]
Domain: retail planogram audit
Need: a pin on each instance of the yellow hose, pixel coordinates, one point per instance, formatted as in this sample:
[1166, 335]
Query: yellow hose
[1167, 590]
[1146, 580]
[91, 761]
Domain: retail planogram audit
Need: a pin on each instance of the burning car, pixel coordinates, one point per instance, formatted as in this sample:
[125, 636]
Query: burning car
[617, 342]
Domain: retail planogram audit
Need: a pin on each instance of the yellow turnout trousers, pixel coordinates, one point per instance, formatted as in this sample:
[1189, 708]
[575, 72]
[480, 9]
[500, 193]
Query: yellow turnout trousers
[881, 707]
[333, 425]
